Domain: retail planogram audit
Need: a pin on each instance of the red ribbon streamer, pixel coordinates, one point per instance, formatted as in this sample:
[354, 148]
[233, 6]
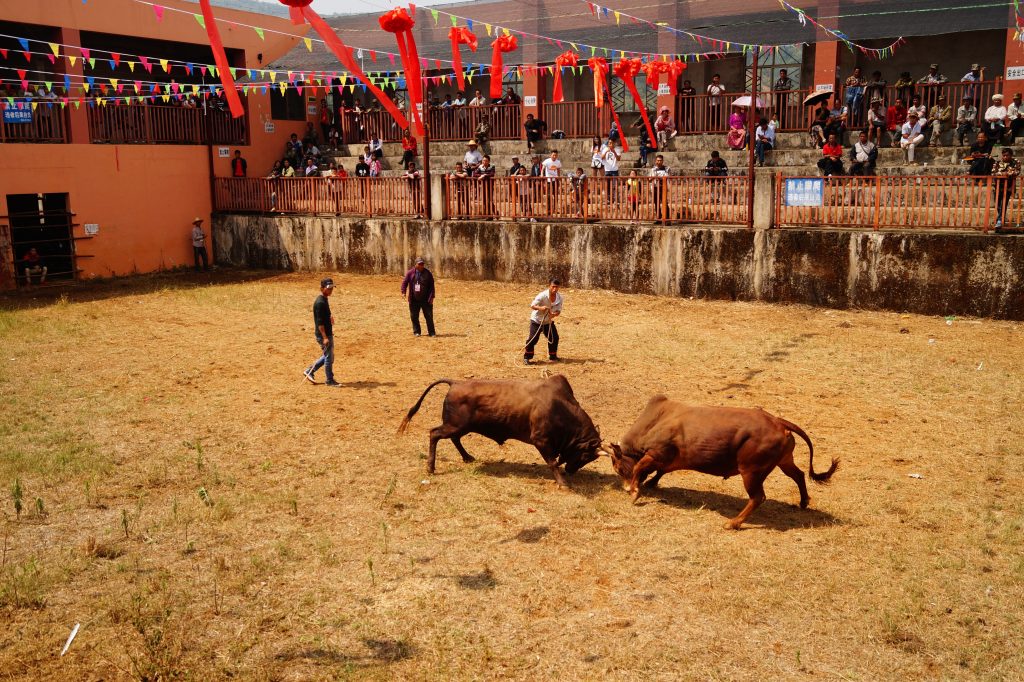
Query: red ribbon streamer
[654, 71]
[599, 65]
[344, 55]
[567, 58]
[502, 44]
[399, 22]
[460, 35]
[627, 70]
[675, 71]
[223, 68]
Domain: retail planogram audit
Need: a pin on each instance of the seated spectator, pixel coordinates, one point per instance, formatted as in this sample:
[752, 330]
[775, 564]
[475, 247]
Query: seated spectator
[447, 103]
[911, 136]
[535, 129]
[310, 137]
[288, 170]
[328, 170]
[875, 88]
[764, 138]
[818, 127]
[736, 138]
[376, 167]
[831, 162]
[838, 117]
[367, 154]
[32, 264]
[478, 99]
[516, 166]
[904, 87]
[664, 128]
[293, 149]
[1015, 112]
[362, 169]
[333, 139]
[341, 172]
[979, 158]
[939, 120]
[895, 117]
[310, 170]
[773, 121]
[311, 150]
[863, 156]
[996, 120]
[275, 171]
[472, 157]
[483, 132]
[716, 166]
[409, 147]
[917, 108]
[966, 119]
[876, 121]
[1007, 169]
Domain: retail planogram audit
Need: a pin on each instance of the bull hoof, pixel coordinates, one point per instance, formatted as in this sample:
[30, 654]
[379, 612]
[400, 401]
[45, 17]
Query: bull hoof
[469, 458]
[430, 470]
[804, 503]
[636, 497]
[732, 525]
[627, 487]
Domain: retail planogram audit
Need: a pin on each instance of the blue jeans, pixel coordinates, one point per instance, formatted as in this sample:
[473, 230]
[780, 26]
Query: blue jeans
[854, 96]
[644, 149]
[326, 360]
[760, 148]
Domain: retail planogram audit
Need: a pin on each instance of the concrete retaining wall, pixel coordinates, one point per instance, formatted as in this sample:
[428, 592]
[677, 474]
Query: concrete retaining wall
[922, 272]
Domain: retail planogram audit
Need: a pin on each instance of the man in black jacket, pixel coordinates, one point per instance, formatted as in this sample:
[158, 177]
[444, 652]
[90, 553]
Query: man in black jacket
[323, 324]
[418, 289]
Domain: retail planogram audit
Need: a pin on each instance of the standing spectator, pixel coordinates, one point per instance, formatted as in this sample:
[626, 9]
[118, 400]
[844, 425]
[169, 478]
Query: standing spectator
[199, 244]
[367, 154]
[875, 88]
[905, 86]
[552, 171]
[376, 167]
[971, 78]
[275, 171]
[535, 129]
[765, 140]
[325, 120]
[660, 172]
[510, 96]
[577, 185]
[911, 136]
[460, 99]
[863, 156]
[362, 169]
[1005, 176]
[689, 94]
[966, 117]
[376, 146]
[418, 290]
[932, 83]
[715, 91]
[783, 96]
[413, 176]
[633, 196]
[939, 120]
[523, 191]
[238, 165]
[516, 166]
[996, 120]
[610, 155]
[546, 306]
[478, 99]
[613, 131]
[483, 131]
[472, 157]
[323, 323]
[876, 122]
[831, 162]
[484, 173]
[287, 171]
[643, 142]
[895, 117]
[409, 147]
[818, 126]
[33, 264]
[1015, 112]
[855, 85]
[535, 168]
[459, 178]
[309, 138]
[664, 129]
[979, 157]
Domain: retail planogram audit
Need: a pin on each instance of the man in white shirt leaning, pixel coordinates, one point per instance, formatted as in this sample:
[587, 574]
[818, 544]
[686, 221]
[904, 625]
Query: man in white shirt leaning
[546, 306]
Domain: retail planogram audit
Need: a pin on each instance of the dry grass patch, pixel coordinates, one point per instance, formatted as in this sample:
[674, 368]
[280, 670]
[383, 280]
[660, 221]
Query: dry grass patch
[205, 513]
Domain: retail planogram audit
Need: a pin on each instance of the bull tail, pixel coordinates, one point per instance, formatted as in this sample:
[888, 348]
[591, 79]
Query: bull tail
[415, 408]
[817, 478]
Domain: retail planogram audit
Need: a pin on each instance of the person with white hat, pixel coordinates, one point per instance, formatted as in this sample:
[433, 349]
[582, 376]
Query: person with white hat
[472, 157]
[199, 243]
[997, 120]
[911, 136]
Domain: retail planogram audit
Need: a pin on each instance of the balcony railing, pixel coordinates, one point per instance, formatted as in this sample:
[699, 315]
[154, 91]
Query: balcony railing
[155, 124]
[322, 196]
[21, 123]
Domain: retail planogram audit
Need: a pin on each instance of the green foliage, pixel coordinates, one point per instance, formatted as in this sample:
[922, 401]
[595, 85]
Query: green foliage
[16, 494]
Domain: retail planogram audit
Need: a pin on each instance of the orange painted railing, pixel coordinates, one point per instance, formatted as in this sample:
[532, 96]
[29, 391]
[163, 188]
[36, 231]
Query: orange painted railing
[460, 123]
[896, 201]
[332, 196]
[980, 93]
[703, 113]
[156, 124]
[640, 199]
[48, 123]
[360, 127]
[578, 119]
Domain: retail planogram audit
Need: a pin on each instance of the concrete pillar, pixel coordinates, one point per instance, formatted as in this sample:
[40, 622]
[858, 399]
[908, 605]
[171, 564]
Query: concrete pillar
[826, 66]
[673, 14]
[764, 198]
[533, 96]
[436, 196]
[78, 118]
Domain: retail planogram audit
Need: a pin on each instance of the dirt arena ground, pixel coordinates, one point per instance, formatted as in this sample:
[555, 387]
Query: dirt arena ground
[204, 513]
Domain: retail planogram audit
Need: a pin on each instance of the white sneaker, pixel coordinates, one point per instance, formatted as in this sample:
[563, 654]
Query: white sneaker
[309, 376]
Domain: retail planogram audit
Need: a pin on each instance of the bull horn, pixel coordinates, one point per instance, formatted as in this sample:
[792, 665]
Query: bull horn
[605, 449]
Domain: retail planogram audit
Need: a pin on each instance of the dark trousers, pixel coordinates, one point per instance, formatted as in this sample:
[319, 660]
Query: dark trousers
[549, 330]
[428, 314]
[1004, 191]
[199, 252]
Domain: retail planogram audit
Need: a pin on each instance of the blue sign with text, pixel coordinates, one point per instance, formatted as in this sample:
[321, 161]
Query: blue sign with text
[804, 192]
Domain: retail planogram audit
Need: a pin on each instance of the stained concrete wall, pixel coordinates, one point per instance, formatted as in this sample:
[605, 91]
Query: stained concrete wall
[923, 272]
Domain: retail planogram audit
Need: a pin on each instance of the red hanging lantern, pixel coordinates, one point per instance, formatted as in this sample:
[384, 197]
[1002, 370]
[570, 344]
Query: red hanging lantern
[399, 22]
[221, 59]
[627, 70]
[567, 58]
[505, 43]
[460, 35]
[599, 65]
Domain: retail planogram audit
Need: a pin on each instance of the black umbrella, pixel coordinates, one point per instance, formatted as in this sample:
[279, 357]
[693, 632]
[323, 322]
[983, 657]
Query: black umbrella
[816, 97]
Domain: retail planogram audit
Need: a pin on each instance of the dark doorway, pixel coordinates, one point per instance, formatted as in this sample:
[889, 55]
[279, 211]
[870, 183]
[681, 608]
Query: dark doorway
[43, 222]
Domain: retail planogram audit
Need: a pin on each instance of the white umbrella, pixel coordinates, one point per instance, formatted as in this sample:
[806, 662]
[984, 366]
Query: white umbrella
[745, 102]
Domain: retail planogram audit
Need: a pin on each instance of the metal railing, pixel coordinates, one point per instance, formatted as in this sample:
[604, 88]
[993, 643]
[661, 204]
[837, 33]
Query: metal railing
[360, 127]
[322, 196]
[47, 123]
[460, 123]
[156, 124]
[679, 199]
[702, 114]
[578, 119]
[894, 201]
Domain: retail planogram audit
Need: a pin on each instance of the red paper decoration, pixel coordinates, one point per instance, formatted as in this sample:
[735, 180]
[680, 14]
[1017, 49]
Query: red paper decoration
[599, 65]
[223, 69]
[627, 70]
[502, 44]
[460, 35]
[399, 22]
[567, 58]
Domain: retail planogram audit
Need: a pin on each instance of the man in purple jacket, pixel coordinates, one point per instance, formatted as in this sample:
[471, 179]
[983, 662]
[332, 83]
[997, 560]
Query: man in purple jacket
[418, 289]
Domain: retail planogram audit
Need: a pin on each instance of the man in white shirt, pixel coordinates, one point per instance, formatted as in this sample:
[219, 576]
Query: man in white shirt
[552, 170]
[198, 244]
[546, 306]
[863, 154]
[478, 100]
[610, 155]
[911, 136]
[1015, 112]
[996, 120]
[472, 158]
[715, 91]
[659, 171]
[460, 99]
[918, 108]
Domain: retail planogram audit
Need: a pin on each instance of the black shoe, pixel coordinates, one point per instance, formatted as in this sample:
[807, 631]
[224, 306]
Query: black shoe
[331, 383]
[431, 334]
[554, 358]
[526, 361]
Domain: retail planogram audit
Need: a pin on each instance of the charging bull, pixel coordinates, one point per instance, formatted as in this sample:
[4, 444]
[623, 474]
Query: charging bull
[721, 441]
[543, 413]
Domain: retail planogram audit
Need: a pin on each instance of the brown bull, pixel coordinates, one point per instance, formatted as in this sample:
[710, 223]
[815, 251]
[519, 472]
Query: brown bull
[543, 413]
[721, 441]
